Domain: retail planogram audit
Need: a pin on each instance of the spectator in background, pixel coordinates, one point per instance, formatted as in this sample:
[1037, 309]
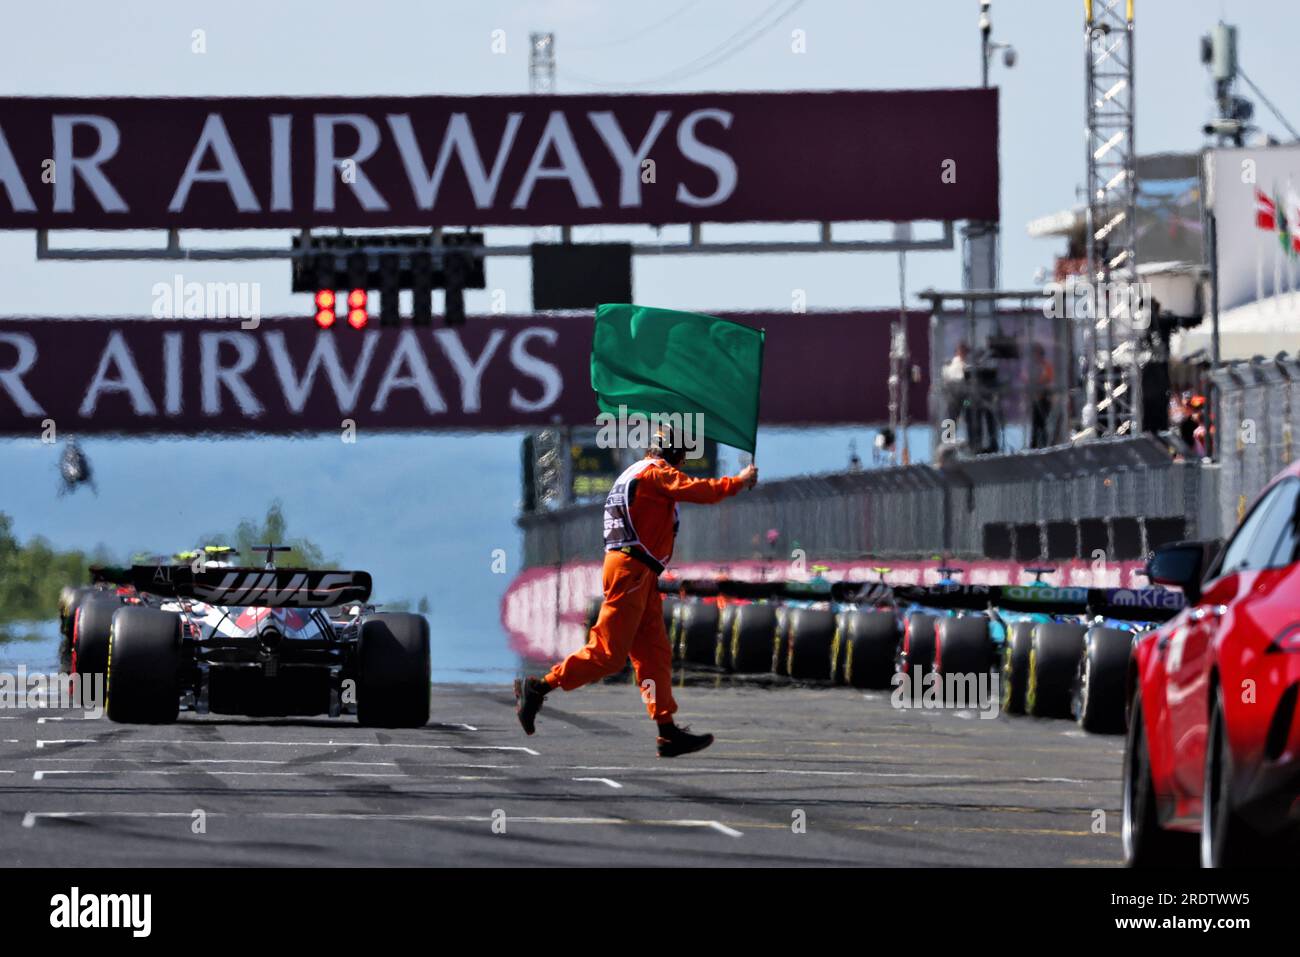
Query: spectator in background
[1042, 377]
[955, 372]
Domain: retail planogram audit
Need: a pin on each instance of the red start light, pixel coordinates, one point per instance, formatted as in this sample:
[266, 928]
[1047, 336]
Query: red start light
[325, 318]
[325, 299]
[357, 318]
[357, 299]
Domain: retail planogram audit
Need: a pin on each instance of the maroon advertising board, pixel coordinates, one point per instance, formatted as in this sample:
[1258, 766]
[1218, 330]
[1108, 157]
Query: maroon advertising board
[193, 376]
[282, 162]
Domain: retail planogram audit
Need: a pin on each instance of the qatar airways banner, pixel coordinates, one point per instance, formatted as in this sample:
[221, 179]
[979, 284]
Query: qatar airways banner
[201, 376]
[279, 162]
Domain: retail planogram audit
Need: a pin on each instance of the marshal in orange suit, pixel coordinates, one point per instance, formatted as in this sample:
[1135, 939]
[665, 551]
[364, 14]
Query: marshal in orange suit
[640, 526]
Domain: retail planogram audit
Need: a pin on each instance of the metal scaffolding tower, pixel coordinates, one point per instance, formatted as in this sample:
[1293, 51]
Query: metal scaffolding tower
[541, 63]
[1111, 334]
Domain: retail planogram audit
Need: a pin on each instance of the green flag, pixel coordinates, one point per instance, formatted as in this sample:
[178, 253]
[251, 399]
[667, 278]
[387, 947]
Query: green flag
[658, 360]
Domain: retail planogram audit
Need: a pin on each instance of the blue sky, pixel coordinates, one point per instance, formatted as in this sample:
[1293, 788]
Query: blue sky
[425, 512]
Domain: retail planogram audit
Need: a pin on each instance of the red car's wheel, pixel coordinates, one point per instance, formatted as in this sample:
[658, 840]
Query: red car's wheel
[1146, 843]
[1226, 840]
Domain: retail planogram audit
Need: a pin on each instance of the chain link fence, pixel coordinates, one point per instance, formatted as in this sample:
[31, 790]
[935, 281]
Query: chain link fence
[1112, 499]
[1258, 409]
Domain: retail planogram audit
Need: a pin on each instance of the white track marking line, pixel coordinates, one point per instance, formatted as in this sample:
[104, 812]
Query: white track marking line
[812, 773]
[337, 744]
[42, 720]
[174, 761]
[611, 783]
[42, 775]
[364, 764]
[31, 818]
[43, 742]
[453, 724]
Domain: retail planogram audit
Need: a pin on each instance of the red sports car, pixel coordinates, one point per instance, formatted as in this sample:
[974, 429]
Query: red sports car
[1212, 762]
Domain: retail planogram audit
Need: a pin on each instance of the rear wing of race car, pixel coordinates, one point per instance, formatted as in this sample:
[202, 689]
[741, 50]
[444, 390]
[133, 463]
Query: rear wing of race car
[262, 588]
[962, 597]
[748, 590]
[1135, 604]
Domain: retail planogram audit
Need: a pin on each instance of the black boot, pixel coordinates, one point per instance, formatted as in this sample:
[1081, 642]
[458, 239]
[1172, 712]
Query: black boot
[529, 695]
[675, 741]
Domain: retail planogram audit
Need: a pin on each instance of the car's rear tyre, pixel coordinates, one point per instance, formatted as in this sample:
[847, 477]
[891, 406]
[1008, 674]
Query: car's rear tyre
[781, 642]
[962, 647]
[1054, 655]
[916, 653]
[1100, 685]
[673, 625]
[393, 671]
[870, 646]
[90, 634]
[1146, 843]
[670, 610]
[70, 599]
[1226, 839]
[722, 645]
[698, 629]
[1015, 666]
[812, 632]
[143, 665]
[751, 638]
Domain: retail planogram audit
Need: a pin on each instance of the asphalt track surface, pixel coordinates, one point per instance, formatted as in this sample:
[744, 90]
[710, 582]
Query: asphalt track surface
[872, 786]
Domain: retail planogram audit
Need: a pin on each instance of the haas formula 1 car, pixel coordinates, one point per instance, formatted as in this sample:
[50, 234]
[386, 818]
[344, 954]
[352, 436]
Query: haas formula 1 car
[254, 641]
[1213, 742]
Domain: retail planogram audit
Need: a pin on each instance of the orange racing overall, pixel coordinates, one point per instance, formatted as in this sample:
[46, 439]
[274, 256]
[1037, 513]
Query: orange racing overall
[640, 526]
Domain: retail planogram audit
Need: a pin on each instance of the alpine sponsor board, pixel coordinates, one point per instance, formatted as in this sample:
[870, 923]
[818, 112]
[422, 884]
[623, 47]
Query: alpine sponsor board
[281, 162]
[208, 376]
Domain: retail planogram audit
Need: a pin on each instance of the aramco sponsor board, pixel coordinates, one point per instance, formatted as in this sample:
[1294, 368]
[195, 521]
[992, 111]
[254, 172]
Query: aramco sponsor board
[170, 376]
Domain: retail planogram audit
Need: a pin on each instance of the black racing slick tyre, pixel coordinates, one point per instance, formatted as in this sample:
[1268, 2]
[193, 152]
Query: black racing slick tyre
[916, 653]
[962, 646]
[143, 666]
[1015, 666]
[670, 610]
[1146, 843]
[90, 634]
[1054, 657]
[393, 671]
[812, 633]
[1101, 683]
[870, 646]
[1226, 839]
[70, 599]
[698, 630]
[722, 644]
[751, 638]
[781, 642]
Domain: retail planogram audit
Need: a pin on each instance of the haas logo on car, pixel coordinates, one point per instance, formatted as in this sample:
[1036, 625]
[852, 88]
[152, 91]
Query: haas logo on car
[260, 588]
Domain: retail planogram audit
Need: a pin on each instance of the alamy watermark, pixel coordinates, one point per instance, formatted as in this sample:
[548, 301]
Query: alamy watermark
[636, 430]
[179, 299]
[1078, 299]
[56, 692]
[930, 690]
